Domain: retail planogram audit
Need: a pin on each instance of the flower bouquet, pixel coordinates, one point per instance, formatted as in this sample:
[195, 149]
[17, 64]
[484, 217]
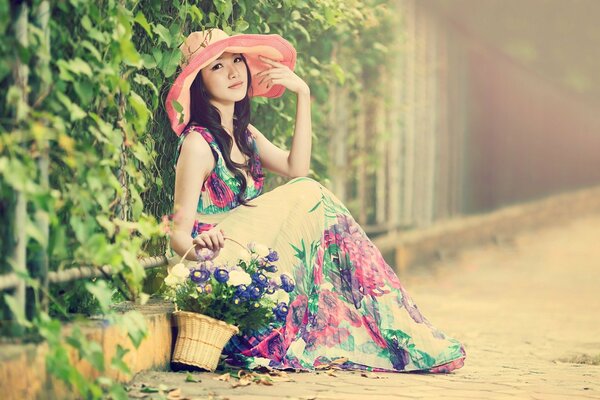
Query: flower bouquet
[215, 301]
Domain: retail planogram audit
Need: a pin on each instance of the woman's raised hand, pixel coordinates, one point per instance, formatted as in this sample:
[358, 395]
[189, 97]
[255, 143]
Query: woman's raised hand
[213, 239]
[280, 74]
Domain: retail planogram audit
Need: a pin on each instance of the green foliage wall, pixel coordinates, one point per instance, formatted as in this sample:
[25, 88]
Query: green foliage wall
[93, 104]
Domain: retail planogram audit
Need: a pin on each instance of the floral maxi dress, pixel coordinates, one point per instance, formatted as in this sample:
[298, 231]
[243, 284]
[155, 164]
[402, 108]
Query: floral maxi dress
[348, 304]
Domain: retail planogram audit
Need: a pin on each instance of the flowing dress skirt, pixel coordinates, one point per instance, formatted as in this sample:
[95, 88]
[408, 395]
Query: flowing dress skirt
[348, 305]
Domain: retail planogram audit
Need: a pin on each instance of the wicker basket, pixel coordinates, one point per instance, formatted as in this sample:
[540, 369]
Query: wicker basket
[200, 339]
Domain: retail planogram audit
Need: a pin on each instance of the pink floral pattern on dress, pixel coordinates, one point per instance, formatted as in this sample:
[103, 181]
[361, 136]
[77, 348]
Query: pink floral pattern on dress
[347, 302]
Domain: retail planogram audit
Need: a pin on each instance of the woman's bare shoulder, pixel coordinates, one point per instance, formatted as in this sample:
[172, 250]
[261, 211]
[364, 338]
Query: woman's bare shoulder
[195, 142]
[254, 131]
[195, 153]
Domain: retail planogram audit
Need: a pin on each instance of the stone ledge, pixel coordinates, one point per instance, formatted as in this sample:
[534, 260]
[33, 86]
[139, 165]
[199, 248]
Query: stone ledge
[23, 369]
[412, 248]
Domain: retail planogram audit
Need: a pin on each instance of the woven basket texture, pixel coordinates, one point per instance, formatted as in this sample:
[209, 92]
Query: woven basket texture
[200, 339]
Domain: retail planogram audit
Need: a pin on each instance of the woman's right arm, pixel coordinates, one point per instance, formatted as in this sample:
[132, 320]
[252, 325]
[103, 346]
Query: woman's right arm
[193, 166]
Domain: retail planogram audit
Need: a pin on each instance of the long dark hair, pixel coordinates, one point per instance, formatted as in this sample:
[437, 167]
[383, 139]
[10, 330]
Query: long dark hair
[204, 114]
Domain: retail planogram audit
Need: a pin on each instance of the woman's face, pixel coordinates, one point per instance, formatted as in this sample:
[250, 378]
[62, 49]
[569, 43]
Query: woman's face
[226, 78]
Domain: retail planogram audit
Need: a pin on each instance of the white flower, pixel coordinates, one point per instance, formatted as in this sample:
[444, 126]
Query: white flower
[172, 280]
[279, 296]
[251, 247]
[237, 277]
[262, 250]
[177, 276]
[180, 271]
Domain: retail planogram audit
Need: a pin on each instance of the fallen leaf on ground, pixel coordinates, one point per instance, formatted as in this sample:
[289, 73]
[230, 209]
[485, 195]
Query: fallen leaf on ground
[174, 394]
[225, 377]
[280, 376]
[244, 381]
[190, 378]
[371, 376]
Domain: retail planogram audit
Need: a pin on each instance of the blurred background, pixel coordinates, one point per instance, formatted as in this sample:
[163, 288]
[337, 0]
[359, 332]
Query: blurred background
[489, 103]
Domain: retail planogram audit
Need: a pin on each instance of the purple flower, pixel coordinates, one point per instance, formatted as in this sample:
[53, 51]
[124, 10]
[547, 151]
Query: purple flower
[273, 256]
[280, 311]
[270, 289]
[221, 275]
[199, 275]
[287, 283]
[254, 292]
[260, 279]
[204, 254]
[270, 268]
[240, 290]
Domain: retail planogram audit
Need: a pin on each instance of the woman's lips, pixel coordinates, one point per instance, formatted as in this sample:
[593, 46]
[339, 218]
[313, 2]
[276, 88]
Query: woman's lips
[236, 86]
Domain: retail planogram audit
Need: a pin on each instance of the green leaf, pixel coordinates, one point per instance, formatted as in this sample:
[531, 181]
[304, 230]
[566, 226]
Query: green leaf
[338, 72]
[139, 151]
[177, 106]
[86, 23]
[224, 8]
[163, 34]
[33, 230]
[190, 378]
[129, 53]
[117, 361]
[102, 293]
[148, 61]
[94, 354]
[241, 25]
[195, 13]
[141, 20]
[92, 49]
[134, 323]
[143, 80]
[98, 36]
[75, 112]
[4, 16]
[17, 312]
[170, 62]
[133, 263]
[4, 69]
[140, 108]
[85, 91]
[380, 47]
[106, 224]
[302, 30]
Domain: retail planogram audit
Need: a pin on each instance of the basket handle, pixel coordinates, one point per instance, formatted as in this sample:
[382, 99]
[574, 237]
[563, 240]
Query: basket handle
[194, 245]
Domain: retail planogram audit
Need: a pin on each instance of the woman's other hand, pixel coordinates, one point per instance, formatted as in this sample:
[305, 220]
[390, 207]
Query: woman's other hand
[280, 74]
[213, 239]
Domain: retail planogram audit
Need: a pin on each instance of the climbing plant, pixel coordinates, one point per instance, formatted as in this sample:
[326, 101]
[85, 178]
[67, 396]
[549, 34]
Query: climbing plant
[85, 143]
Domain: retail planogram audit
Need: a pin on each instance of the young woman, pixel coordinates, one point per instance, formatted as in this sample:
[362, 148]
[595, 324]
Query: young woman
[347, 302]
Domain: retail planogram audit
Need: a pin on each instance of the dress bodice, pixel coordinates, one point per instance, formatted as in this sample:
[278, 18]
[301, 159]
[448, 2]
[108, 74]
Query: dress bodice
[220, 189]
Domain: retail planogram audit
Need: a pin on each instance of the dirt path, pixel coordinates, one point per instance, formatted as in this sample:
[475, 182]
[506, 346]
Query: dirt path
[524, 308]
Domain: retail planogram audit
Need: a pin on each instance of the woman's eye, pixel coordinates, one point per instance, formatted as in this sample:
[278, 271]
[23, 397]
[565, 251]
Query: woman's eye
[238, 58]
[215, 66]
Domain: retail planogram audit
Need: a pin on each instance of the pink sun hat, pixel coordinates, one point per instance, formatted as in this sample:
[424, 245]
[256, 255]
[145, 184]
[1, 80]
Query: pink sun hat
[203, 47]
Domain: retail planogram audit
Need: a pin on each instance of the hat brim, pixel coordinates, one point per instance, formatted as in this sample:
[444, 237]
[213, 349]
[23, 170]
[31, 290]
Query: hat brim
[251, 46]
